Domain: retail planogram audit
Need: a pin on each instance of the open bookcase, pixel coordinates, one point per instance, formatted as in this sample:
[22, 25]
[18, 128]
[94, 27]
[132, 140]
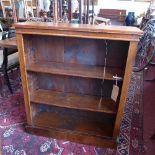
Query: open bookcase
[67, 82]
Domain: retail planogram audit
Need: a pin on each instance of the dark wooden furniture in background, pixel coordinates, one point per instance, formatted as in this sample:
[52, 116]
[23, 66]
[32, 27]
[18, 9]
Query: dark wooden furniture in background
[62, 69]
[10, 58]
[117, 17]
[9, 43]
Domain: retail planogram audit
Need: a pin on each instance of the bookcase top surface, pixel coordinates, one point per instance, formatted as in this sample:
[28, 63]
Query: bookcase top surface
[80, 27]
[80, 30]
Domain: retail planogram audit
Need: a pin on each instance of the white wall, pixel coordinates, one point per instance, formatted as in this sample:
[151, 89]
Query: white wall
[129, 5]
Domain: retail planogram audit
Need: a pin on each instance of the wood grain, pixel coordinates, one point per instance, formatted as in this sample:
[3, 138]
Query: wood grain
[80, 30]
[125, 86]
[62, 68]
[73, 123]
[80, 138]
[24, 78]
[73, 101]
[9, 43]
[87, 71]
[80, 27]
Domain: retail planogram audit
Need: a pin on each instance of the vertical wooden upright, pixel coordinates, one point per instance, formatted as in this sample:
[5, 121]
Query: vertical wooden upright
[87, 15]
[14, 11]
[4, 4]
[70, 10]
[80, 10]
[127, 77]
[92, 11]
[24, 77]
[28, 5]
[55, 10]
[60, 9]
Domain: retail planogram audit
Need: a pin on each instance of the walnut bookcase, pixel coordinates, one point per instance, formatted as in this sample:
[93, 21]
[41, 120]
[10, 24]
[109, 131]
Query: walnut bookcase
[62, 69]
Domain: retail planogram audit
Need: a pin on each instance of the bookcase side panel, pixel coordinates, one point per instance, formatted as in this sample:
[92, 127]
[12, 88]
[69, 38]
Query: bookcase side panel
[22, 59]
[127, 77]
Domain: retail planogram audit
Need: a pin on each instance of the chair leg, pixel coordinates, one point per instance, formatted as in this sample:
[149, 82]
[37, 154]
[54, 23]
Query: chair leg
[8, 81]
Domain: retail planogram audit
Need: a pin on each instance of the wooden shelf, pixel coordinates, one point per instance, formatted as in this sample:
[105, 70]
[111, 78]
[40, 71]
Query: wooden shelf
[80, 138]
[74, 123]
[73, 101]
[86, 71]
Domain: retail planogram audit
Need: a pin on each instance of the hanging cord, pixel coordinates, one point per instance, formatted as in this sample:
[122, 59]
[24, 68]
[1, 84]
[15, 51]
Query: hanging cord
[104, 71]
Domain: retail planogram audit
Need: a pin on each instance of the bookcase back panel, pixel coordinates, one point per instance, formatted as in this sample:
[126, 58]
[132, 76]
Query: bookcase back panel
[84, 51]
[69, 84]
[44, 48]
[75, 50]
[88, 122]
[117, 53]
[93, 51]
[77, 113]
[33, 82]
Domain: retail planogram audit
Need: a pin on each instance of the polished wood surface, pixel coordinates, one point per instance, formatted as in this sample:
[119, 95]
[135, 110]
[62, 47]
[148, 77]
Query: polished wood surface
[127, 78]
[80, 138]
[89, 71]
[74, 122]
[81, 30]
[9, 46]
[73, 101]
[9, 43]
[116, 16]
[80, 27]
[52, 120]
[21, 50]
[96, 131]
[63, 78]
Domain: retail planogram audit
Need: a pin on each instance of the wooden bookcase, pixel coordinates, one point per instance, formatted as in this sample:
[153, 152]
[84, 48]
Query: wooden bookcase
[62, 67]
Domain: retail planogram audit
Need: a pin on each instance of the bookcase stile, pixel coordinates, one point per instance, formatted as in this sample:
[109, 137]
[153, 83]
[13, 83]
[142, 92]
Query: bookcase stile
[24, 77]
[127, 78]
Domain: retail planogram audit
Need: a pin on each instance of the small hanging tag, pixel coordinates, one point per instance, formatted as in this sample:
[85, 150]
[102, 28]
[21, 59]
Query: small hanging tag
[115, 91]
